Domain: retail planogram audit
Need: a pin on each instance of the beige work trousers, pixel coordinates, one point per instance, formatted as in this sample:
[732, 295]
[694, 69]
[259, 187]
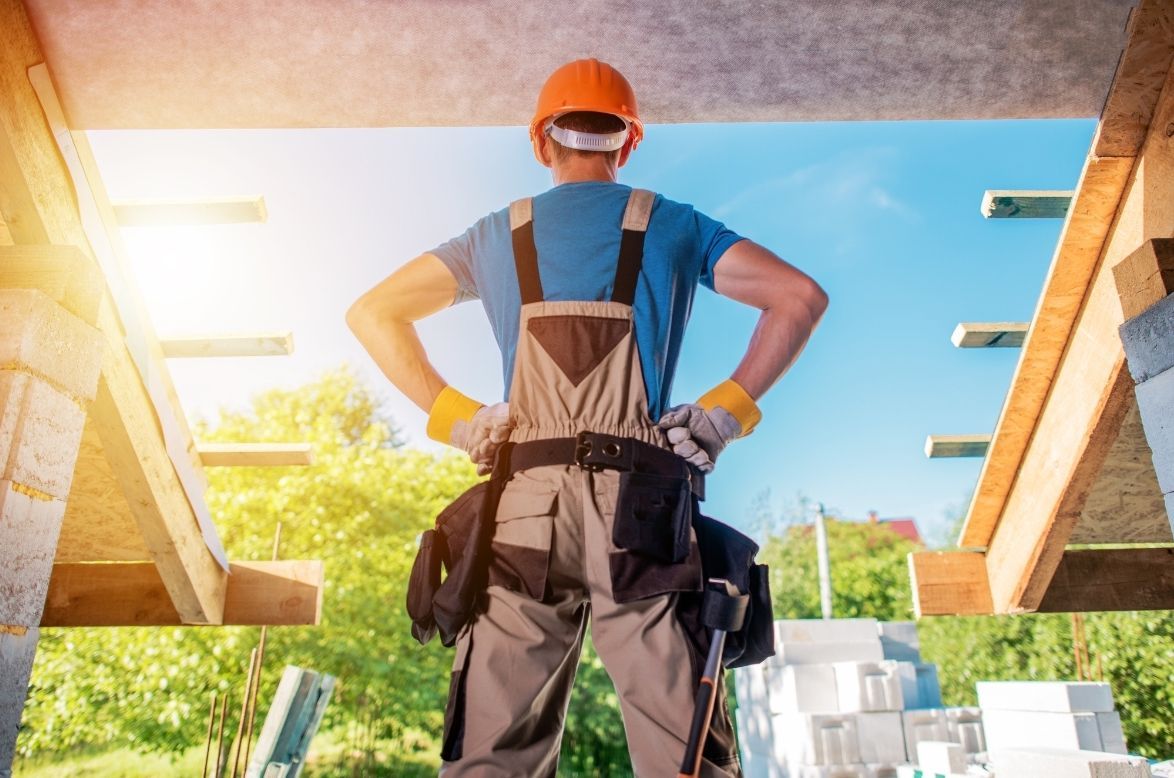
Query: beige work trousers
[554, 575]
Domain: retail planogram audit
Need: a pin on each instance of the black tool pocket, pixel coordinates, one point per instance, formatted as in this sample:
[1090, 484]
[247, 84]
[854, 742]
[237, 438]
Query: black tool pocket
[423, 583]
[653, 516]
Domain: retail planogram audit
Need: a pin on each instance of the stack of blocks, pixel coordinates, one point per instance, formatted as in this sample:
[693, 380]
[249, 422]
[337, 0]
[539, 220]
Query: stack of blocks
[844, 698]
[1050, 714]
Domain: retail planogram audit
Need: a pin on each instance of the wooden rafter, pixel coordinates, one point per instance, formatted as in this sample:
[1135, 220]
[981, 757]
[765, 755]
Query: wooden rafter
[255, 454]
[131, 594]
[254, 344]
[224, 210]
[1026, 204]
[1000, 334]
[943, 446]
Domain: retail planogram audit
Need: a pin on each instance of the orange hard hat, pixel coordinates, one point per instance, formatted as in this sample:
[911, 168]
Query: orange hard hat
[587, 85]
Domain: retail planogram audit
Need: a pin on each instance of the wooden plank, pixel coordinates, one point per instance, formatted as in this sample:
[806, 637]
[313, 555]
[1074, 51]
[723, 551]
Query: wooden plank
[64, 273]
[1089, 393]
[1026, 203]
[1000, 334]
[1145, 276]
[132, 594]
[943, 446]
[255, 454]
[1120, 579]
[1137, 83]
[179, 212]
[257, 344]
[947, 583]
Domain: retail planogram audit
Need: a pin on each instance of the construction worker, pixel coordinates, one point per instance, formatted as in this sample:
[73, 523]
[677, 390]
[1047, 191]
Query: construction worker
[588, 288]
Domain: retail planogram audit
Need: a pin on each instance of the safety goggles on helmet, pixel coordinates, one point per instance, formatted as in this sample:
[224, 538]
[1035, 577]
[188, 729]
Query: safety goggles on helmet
[587, 141]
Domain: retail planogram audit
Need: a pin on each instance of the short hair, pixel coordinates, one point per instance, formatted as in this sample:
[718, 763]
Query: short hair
[585, 121]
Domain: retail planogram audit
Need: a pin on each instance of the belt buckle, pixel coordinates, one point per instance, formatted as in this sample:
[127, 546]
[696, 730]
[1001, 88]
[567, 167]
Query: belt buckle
[584, 447]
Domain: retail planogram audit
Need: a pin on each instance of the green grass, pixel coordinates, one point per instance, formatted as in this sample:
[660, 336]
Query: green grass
[120, 763]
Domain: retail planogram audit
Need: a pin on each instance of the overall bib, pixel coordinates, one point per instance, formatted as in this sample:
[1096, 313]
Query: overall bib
[555, 564]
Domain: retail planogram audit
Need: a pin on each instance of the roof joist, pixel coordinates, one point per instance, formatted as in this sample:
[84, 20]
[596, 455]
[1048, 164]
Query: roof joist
[255, 454]
[257, 344]
[177, 212]
[948, 446]
[1026, 203]
[1002, 334]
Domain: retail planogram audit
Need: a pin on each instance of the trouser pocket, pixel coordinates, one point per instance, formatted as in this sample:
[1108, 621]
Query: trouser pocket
[652, 516]
[522, 535]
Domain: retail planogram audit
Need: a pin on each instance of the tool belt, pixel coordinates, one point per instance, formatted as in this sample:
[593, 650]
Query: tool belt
[657, 505]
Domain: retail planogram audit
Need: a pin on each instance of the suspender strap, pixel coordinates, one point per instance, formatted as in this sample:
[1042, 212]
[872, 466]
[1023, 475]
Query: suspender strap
[632, 246]
[525, 254]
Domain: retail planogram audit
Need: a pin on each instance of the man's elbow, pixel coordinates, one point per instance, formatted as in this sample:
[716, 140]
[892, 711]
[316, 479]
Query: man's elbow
[361, 315]
[815, 297]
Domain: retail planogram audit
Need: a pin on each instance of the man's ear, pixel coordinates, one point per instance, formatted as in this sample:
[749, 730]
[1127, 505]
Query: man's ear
[542, 149]
[626, 150]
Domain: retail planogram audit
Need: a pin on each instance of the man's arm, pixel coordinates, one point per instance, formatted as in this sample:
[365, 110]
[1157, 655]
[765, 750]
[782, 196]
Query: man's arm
[382, 320]
[791, 304]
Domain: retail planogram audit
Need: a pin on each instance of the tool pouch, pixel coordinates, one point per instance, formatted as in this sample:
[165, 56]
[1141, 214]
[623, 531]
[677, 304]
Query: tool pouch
[652, 516]
[423, 583]
[727, 553]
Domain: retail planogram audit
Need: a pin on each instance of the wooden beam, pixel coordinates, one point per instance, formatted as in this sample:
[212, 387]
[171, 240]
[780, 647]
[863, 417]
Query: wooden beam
[1119, 579]
[948, 583]
[1145, 276]
[131, 594]
[41, 206]
[1026, 203]
[223, 210]
[64, 273]
[943, 446]
[255, 454]
[1001, 334]
[259, 344]
[1084, 398]
[1137, 83]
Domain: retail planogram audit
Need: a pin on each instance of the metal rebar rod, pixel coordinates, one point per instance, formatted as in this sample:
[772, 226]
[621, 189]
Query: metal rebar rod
[208, 736]
[240, 725]
[220, 736]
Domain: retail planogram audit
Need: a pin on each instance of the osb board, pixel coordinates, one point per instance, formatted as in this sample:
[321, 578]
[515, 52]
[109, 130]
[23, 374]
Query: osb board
[1125, 504]
[98, 525]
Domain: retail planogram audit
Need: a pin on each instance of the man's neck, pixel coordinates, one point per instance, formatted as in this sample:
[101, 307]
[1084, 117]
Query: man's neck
[577, 169]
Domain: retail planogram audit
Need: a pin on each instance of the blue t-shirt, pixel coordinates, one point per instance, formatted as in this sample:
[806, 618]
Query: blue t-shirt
[577, 235]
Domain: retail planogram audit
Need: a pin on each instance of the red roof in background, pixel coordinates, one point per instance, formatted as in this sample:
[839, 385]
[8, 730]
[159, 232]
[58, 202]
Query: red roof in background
[906, 528]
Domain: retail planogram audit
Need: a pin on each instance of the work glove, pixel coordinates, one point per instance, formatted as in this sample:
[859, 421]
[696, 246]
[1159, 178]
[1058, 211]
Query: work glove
[700, 431]
[478, 430]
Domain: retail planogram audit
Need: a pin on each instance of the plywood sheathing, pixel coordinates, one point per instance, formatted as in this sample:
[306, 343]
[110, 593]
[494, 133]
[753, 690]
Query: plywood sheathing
[423, 63]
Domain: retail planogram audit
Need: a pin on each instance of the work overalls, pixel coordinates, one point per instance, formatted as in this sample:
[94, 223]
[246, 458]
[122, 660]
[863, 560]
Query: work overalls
[555, 563]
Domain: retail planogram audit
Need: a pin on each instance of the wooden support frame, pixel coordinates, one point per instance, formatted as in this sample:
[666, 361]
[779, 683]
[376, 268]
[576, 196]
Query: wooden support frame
[252, 344]
[947, 446]
[41, 208]
[1000, 334]
[181, 212]
[132, 594]
[1026, 203]
[947, 583]
[256, 454]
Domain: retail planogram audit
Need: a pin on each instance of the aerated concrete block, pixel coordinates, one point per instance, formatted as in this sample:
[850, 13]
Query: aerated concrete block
[868, 686]
[1155, 401]
[803, 689]
[919, 685]
[1053, 696]
[965, 728]
[830, 771]
[1148, 339]
[881, 737]
[939, 756]
[927, 724]
[825, 630]
[754, 730]
[1027, 729]
[900, 641]
[17, 648]
[818, 739]
[826, 653]
[751, 686]
[1061, 763]
[1112, 736]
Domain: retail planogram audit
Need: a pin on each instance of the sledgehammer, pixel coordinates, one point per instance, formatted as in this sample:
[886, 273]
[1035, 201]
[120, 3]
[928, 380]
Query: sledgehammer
[723, 608]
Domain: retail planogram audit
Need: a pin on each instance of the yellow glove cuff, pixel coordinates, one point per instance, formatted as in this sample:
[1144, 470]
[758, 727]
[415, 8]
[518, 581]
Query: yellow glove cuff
[449, 407]
[731, 396]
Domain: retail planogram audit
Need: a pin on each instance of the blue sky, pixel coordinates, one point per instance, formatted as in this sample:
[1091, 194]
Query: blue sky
[884, 215]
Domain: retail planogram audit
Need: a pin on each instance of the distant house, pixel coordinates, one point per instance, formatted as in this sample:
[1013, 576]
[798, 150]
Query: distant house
[906, 528]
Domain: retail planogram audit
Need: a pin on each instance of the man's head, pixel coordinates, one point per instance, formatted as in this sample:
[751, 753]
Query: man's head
[585, 108]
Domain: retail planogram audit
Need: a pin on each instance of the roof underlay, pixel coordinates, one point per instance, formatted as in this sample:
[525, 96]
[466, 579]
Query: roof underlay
[208, 64]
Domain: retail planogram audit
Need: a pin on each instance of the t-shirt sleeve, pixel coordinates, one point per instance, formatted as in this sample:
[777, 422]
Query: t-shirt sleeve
[715, 238]
[457, 256]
